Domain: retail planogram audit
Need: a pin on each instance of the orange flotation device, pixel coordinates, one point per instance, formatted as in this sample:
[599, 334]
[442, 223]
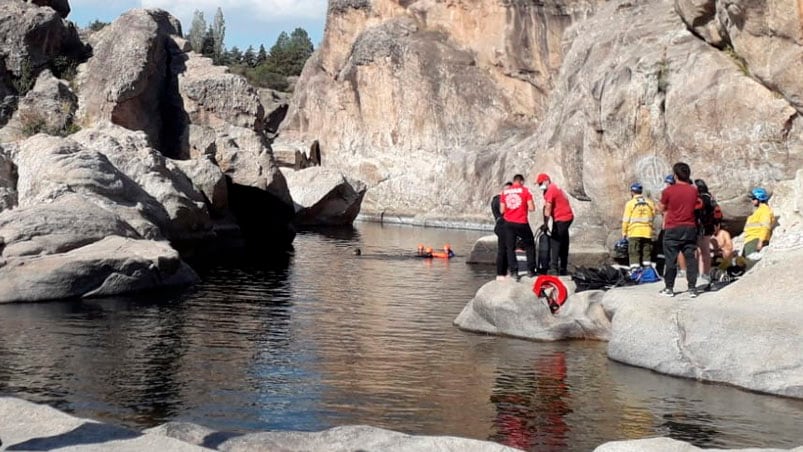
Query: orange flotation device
[428, 252]
[552, 289]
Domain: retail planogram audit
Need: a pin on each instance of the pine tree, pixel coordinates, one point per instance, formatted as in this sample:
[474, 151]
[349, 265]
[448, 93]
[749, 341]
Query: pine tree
[249, 57]
[218, 34]
[197, 31]
[234, 56]
[262, 55]
[208, 46]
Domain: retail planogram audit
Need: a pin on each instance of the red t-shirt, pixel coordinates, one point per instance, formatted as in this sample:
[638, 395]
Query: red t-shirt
[679, 201]
[561, 210]
[515, 200]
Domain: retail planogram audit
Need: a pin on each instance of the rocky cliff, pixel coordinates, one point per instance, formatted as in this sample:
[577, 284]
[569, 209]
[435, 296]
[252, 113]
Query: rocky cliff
[118, 148]
[434, 104]
[423, 99]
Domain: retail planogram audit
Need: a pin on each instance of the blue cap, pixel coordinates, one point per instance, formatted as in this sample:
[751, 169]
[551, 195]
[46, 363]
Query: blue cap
[670, 179]
[759, 194]
[636, 187]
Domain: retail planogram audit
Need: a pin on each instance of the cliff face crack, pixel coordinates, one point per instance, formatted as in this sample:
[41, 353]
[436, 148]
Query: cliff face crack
[726, 46]
[682, 345]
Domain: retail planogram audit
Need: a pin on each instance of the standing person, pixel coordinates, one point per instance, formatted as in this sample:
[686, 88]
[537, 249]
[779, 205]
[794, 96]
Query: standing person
[514, 203]
[680, 236]
[637, 223]
[556, 206]
[705, 219]
[499, 230]
[758, 227]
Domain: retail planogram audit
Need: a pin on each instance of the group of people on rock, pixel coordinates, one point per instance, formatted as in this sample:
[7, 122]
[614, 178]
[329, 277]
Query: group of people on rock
[511, 208]
[692, 235]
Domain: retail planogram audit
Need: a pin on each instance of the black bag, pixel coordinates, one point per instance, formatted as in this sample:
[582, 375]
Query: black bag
[602, 278]
[542, 248]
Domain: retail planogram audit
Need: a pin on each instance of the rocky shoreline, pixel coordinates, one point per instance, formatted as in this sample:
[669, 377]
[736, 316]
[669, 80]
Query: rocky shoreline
[29, 426]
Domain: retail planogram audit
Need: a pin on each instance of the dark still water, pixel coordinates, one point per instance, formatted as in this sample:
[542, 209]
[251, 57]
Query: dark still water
[331, 339]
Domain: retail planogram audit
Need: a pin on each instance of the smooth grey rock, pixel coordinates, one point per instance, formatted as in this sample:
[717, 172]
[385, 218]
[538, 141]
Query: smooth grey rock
[69, 222]
[323, 196]
[29, 426]
[747, 334]
[159, 177]
[668, 445]
[126, 80]
[214, 97]
[49, 167]
[484, 250]
[208, 179]
[111, 266]
[357, 437]
[511, 308]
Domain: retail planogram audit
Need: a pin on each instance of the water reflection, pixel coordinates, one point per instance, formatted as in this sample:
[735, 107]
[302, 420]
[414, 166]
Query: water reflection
[324, 338]
[531, 406]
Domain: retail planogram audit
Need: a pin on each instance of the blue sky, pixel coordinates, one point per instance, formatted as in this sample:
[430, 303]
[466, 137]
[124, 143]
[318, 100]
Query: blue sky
[248, 22]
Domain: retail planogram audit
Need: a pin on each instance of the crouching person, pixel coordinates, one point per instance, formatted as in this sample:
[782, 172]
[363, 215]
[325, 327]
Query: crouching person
[758, 227]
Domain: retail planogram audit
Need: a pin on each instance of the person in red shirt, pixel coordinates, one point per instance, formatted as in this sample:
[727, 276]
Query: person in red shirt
[557, 207]
[678, 202]
[515, 202]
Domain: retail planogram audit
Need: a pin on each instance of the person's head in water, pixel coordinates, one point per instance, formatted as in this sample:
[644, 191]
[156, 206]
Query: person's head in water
[682, 172]
[357, 252]
[518, 179]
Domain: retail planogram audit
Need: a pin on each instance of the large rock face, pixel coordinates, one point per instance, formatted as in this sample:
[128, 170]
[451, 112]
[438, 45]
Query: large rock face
[434, 104]
[32, 37]
[126, 80]
[411, 97]
[632, 100]
[765, 36]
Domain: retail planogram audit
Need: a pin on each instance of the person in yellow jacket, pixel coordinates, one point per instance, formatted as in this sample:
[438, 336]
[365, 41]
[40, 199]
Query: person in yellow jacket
[758, 227]
[637, 224]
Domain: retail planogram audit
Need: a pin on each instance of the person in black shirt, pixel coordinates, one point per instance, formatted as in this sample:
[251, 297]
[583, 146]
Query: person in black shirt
[499, 230]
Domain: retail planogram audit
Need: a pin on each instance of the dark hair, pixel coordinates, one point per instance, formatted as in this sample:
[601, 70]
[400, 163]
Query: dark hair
[508, 184]
[701, 186]
[682, 172]
[518, 178]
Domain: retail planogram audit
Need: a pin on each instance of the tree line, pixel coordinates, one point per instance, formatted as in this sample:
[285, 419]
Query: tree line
[263, 68]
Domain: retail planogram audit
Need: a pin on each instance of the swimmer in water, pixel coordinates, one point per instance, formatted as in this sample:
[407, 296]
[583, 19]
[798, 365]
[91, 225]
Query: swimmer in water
[357, 252]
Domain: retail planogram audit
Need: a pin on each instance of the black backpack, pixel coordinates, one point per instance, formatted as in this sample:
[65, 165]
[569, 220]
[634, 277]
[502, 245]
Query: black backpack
[602, 278]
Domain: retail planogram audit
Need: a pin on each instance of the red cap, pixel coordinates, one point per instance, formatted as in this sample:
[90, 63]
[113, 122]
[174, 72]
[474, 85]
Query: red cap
[541, 178]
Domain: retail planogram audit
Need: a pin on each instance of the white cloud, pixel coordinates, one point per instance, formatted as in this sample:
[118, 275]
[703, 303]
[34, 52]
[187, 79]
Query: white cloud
[258, 10]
